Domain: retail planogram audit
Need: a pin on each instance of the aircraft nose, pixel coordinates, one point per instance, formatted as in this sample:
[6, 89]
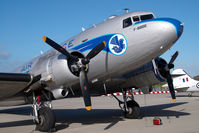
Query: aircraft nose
[177, 24]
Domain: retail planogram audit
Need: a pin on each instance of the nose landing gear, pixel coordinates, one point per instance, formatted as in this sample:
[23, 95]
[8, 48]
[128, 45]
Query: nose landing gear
[131, 108]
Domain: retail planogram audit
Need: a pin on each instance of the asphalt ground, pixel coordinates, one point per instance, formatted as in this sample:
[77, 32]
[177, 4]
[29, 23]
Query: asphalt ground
[107, 117]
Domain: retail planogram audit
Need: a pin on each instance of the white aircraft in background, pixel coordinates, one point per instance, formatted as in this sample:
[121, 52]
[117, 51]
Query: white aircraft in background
[183, 82]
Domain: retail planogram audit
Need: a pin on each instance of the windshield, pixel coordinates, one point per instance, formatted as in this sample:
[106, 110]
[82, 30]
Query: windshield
[146, 17]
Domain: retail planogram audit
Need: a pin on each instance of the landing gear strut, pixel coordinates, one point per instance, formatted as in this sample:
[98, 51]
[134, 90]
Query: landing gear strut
[130, 107]
[43, 116]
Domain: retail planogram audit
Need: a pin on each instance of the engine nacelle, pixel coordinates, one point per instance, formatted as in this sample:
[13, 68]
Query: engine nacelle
[147, 75]
[60, 93]
[61, 73]
[55, 72]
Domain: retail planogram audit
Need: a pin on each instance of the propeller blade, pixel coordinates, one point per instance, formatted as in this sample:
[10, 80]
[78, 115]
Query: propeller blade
[96, 50]
[58, 48]
[83, 76]
[170, 84]
[174, 57]
[85, 89]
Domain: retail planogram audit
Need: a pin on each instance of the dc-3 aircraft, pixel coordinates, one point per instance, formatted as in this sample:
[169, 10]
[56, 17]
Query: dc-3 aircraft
[183, 82]
[113, 56]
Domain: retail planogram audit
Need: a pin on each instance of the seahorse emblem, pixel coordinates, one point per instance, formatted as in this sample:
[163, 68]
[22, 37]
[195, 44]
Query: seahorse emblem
[118, 44]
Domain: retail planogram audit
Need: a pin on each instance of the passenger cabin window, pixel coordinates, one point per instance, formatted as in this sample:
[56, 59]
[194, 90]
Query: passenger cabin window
[136, 18]
[146, 17]
[127, 22]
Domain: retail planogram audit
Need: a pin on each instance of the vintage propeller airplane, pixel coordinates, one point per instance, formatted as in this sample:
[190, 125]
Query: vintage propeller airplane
[113, 56]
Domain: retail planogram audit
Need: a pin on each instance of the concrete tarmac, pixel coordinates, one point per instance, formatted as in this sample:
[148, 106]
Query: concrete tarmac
[106, 116]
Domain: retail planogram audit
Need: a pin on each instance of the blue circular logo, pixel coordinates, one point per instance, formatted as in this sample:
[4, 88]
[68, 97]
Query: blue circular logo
[118, 44]
[197, 85]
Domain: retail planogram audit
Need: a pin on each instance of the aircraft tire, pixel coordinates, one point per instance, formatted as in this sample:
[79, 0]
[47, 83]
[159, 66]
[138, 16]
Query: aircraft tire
[47, 120]
[133, 110]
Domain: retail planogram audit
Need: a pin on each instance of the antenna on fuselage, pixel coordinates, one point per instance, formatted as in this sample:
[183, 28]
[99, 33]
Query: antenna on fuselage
[83, 29]
[126, 10]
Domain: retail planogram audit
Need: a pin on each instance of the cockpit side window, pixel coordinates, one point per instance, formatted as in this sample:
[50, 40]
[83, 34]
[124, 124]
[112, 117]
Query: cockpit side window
[127, 22]
[136, 18]
[146, 17]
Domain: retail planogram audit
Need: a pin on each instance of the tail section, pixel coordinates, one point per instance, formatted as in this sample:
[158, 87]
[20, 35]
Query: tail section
[183, 82]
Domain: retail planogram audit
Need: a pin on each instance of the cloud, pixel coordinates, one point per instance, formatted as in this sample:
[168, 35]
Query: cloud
[4, 55]
[6, 62]
[9, 66]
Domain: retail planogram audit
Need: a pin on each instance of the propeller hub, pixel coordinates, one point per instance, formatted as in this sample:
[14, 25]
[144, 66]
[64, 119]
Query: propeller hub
[85, 61]
[170, 66]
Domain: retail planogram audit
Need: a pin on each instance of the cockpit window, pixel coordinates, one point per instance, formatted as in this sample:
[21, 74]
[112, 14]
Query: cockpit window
[127, 22]
[136, 18]
[146, 17]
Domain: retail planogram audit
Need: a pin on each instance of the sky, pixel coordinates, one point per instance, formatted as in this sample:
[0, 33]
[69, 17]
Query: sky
[24, 22]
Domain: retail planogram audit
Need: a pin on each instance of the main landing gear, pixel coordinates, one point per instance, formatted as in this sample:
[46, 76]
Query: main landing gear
[130, 107]
[43, 115]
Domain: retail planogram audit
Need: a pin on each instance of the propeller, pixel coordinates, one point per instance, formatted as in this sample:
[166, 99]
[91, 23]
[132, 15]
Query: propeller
[59, 48]
[168, 75]
[93, 52]
[81, 64]
[85, 89]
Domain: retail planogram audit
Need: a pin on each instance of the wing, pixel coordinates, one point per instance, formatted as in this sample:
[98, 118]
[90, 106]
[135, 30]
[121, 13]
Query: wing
[176, 75]
[182, 89]
[13, 83]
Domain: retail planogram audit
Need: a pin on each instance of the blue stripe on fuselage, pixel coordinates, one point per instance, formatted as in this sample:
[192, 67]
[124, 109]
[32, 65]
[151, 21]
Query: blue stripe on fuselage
[176, 23]
[90, 44]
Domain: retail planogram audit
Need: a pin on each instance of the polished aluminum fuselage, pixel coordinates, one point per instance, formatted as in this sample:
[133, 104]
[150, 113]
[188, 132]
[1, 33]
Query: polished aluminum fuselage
[146, 40]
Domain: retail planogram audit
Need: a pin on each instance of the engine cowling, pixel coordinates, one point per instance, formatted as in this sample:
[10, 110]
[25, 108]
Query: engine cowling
[57, 73]
[146, 75]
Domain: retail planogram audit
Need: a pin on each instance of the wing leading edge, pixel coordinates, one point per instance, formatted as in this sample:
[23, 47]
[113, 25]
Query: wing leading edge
[13, 83]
